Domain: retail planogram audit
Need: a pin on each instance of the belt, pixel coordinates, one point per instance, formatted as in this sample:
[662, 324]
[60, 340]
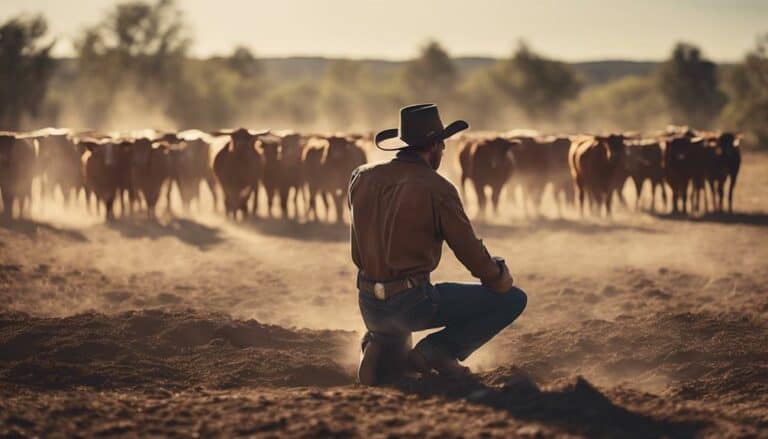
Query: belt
[387, 290]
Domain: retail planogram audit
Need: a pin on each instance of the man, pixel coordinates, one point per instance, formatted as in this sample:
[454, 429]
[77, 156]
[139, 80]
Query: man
[402, 211]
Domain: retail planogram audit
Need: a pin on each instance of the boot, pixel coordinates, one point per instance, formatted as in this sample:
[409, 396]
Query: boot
[437, 360]
[367, 370]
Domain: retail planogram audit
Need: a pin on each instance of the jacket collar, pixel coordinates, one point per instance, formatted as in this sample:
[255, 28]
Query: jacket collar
[411, 157]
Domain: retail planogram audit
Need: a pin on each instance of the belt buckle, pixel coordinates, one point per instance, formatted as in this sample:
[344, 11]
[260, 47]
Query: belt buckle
[379, 291]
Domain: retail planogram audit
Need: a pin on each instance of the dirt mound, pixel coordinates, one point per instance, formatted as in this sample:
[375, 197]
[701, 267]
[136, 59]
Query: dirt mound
[516, 407]
[169, 349]
[716, 358]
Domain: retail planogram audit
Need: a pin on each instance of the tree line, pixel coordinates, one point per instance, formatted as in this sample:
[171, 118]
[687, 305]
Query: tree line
[132, 69]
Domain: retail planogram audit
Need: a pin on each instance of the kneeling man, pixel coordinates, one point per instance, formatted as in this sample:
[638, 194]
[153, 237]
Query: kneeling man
[402, 211]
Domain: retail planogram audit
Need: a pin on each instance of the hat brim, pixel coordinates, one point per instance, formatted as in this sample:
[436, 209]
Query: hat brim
[388, 140]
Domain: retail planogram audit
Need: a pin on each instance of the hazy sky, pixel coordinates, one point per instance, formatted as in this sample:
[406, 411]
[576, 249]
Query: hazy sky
[395, 29]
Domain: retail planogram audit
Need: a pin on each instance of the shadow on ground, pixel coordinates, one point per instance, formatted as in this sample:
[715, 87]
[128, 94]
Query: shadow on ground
[308, 231]
[745, 218]
[584, 227]
[575, 407]
[185, 230]
[32, 228]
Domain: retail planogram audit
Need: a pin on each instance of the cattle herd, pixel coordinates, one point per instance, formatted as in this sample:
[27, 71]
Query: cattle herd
[299, 171]
[592, 170]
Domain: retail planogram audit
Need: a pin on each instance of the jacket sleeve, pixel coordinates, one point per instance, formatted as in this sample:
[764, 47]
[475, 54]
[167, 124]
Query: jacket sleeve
[458, 233]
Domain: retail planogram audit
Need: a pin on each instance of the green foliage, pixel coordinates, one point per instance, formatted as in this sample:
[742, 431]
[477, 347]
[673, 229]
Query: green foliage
[538, 85]
[431, 77]
[137, 50]
[747, 86]
[631, 103]
[689, 83]
[25, 68]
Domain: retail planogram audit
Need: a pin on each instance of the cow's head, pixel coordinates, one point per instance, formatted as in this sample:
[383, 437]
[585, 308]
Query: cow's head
[241, 139]
[271, 149]
[727, 140]
[338, 147]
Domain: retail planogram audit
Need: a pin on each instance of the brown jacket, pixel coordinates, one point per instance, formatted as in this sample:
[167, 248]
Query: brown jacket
[402, 211]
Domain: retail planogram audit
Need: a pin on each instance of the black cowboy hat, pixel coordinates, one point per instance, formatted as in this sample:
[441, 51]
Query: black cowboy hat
[420, 124]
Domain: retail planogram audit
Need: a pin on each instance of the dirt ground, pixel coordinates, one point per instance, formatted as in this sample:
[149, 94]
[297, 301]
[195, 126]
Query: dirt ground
[643, 325]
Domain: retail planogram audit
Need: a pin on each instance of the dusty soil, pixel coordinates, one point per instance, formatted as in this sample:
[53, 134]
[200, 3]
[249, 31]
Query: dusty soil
[638, 326]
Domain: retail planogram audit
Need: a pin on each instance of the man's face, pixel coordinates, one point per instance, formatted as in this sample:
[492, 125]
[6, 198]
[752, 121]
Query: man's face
[436, 154]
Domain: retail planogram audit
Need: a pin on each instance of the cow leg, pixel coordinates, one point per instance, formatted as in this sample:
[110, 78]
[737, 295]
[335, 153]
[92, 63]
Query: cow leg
[255, 211]
[706, 197]
[674, 199]
[639, 191]
[7, 205]
[480, 192]
[720, 195]
[339, 200]
[328, 202]
[283, 194]
[580, 194]
[270, 197]
[211, 182]
[122, 202]
[730, 193]
[168, 206]
[495, 195]
[109, 205]
[312, 205]
[321, 200]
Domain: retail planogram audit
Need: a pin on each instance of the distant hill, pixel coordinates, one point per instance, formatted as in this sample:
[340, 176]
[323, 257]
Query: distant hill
[593, 72]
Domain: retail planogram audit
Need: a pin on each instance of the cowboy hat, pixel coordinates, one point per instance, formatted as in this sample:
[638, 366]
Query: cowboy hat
[420, 124]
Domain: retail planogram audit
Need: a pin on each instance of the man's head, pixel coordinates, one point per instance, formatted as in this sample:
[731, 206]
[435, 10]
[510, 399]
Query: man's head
[421, 130]
[431, 152]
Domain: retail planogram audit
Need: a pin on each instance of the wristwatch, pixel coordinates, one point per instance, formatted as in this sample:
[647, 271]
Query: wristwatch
[501, 264]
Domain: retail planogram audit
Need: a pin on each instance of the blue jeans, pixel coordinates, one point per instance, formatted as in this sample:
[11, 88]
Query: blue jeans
[471, 315]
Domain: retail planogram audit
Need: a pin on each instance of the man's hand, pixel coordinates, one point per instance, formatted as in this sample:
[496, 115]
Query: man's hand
[503, 281]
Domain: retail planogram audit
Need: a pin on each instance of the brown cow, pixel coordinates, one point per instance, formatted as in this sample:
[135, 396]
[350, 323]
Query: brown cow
[595, 162]
[724, 161]
[17, 169]
[239, 166]
[681, 156]
[327, 168]
[190, 158]
[490, 163]
[150, 167]
[558, 172]
[283, 172]
[645, 161]
[102, 168]
[59, 162]
[531, 163]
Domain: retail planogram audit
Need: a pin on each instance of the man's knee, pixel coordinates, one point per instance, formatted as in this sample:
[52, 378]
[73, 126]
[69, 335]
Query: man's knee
[515, 300]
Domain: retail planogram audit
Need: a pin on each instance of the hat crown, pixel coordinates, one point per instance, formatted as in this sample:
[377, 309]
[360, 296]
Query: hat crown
[419, 122]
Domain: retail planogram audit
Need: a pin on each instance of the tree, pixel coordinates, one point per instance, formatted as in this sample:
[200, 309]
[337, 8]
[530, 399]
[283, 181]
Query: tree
[539, 85]
[26, 67]
[689, 84]
[244, 63]
[430, 77]
[747, 87]
[630, 103]
[139, 45]
[146, 39]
